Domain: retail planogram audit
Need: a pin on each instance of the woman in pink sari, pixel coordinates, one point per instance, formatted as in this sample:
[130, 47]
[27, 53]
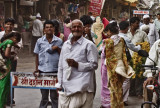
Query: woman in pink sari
[114, 68]
[105, 93]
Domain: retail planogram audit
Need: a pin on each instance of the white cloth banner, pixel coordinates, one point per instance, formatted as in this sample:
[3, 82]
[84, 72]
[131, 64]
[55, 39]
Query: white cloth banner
[27, 79]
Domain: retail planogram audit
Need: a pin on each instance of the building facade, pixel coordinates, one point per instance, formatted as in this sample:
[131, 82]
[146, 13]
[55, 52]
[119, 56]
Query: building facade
[119, 9]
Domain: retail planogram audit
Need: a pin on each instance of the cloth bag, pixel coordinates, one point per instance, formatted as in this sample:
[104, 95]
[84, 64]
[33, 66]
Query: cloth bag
[127, 53]
[68, 72]
[121, 70]
[3, 67]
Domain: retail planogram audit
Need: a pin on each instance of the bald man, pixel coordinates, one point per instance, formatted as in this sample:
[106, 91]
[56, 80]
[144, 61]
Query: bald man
[77, 64]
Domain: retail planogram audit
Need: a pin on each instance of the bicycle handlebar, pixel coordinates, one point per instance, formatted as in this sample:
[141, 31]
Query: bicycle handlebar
[151, 66]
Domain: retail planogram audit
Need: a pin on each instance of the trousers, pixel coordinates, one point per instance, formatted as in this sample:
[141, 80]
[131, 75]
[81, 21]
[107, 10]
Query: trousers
[45, 100]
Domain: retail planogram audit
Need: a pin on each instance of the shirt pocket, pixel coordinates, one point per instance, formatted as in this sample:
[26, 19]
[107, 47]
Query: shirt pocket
[83, 52]
[41, 59]
[41, 62]
[81, 56]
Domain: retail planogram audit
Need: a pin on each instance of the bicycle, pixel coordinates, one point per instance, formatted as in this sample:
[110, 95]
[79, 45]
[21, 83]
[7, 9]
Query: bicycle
[156, 86]
[156, 89]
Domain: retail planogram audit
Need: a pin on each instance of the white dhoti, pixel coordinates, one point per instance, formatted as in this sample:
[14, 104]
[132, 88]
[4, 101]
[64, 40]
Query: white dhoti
[126, 87]
[77, 100]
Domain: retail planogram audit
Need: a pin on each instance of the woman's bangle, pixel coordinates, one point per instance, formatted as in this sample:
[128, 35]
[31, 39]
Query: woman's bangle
[8, 45]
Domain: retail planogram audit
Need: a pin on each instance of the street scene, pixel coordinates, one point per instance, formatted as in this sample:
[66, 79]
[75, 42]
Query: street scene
[32, 97]
[79, 53]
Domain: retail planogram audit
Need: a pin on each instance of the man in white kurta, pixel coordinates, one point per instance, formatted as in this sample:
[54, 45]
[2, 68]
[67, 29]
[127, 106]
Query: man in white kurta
[157, 23]
[37, 31]
[153, 34]
[137, 37]
[154, 54]
[77, 64]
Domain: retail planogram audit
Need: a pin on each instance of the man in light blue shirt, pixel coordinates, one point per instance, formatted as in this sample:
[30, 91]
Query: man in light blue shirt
[47, 52]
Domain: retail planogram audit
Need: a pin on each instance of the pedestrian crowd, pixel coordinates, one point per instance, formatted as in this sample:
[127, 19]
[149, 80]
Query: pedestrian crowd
[74, 55]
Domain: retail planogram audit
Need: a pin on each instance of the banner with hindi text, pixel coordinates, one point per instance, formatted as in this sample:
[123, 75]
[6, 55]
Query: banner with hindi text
[27, 79]
[95, 7]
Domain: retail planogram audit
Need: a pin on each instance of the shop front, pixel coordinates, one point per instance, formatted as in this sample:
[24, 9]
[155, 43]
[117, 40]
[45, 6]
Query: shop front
[119, 9]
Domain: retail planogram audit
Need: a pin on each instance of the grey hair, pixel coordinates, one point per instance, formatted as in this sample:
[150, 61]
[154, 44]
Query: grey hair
[145, 27]
[76, 20]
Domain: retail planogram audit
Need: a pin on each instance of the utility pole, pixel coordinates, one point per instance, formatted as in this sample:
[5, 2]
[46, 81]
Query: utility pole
[129, 10]
[35, 7]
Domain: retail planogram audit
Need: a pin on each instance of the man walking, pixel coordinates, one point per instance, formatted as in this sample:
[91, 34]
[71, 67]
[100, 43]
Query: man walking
[77, 64]
[157, 23]
[37, 31]
[124, 26]
[136, 36]
[47, 52]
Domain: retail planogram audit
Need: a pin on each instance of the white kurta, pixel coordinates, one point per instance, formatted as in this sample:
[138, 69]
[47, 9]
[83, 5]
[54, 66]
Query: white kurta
[154, 55]
[153, 35]
[138, 37]
[37, 28]
[157, 24]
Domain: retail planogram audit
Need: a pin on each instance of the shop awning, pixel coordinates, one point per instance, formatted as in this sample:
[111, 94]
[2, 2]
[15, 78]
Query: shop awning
[32, 0]
[131, 1]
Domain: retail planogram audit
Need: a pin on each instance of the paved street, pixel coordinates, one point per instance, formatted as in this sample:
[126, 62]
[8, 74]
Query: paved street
[30, 98]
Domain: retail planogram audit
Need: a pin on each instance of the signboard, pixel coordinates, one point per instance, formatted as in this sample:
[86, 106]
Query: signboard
[27, 80]
[95, 7]
[26, 3]
[141, 12]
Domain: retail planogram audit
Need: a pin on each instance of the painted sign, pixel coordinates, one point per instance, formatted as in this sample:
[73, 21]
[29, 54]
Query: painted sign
[95, 7]
[141, 12]
[27, 79]
[26, 3]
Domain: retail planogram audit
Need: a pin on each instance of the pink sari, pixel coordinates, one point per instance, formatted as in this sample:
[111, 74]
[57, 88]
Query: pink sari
[105, 93]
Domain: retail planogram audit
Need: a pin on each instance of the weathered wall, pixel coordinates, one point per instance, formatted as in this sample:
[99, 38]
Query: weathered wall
[43, 8]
